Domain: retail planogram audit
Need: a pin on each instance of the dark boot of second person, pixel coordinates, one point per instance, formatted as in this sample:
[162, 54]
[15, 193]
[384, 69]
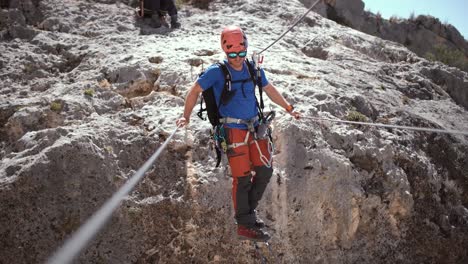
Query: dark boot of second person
[174, 22]
[156, 20]
[163, 21]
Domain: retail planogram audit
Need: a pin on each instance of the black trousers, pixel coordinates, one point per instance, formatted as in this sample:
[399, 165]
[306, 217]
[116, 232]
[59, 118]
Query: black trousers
[161, 5]
[248, 192]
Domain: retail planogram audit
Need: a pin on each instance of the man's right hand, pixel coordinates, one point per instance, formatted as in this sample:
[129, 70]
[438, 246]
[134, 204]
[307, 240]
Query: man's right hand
[181, 122]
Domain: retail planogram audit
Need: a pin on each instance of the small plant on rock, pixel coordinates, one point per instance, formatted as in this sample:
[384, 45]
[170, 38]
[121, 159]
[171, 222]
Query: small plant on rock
[356, 116]
[56, 106]
[89, 92]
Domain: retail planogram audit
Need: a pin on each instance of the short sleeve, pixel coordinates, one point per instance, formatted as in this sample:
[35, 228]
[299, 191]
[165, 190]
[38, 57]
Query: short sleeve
[210, 77]
[264, 79]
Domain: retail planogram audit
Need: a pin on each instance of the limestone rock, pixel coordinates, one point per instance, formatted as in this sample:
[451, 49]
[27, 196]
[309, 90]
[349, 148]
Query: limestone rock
[86, 99]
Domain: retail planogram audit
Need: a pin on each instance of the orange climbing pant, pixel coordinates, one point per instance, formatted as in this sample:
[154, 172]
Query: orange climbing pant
[247, 188]
[243, 159]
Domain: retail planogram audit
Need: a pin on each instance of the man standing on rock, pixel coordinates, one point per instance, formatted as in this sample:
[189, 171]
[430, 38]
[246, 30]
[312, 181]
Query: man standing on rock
[158, 7]
[248, 153]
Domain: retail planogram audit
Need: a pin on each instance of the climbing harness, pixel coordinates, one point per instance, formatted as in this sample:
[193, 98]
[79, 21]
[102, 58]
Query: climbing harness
[261, 131]
[422, 129]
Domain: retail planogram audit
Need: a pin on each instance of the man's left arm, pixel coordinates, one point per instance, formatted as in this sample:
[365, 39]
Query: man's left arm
[278, 99]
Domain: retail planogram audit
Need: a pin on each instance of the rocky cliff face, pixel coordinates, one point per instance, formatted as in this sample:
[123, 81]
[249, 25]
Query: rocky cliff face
[89, 92]
[424, 35]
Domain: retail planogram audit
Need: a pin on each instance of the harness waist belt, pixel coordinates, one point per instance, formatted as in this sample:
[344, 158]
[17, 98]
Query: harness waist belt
[226, 120]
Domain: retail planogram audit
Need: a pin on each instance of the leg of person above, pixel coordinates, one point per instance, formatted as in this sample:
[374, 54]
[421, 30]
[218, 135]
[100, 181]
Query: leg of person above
[162, 18]
[262, 176]
[239, 161]
[155, 6]
[172, 10]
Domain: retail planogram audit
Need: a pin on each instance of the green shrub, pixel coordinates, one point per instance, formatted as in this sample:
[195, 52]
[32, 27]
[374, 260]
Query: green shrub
[180, 3]
[56, 106]
[89, 92]
[356, 116]
[448, 56]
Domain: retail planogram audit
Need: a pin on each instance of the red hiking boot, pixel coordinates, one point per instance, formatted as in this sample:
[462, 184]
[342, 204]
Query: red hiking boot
[252, 233]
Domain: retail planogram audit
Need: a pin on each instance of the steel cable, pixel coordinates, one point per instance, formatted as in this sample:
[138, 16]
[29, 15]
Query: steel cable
[291, 27]
[423, 129]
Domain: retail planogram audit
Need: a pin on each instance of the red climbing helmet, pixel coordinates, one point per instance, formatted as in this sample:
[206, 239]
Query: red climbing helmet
[233, 39]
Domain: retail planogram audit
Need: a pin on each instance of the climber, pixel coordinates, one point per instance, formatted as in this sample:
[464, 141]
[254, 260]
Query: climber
[158, 9]
[238, 122]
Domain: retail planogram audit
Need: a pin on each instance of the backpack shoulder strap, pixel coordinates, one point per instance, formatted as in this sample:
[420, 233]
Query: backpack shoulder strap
[252, 72]
[226, 74]
[256, 76]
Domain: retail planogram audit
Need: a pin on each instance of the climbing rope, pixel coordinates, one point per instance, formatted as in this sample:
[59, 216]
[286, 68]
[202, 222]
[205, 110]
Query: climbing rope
[422, 129]
[291, 27]
[271, 149]
[86, 232]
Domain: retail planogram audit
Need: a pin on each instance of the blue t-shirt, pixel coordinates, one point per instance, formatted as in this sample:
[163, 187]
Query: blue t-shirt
[243, 104]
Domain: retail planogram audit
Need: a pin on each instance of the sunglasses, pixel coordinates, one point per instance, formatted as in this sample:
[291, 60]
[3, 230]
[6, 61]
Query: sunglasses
[233, 55]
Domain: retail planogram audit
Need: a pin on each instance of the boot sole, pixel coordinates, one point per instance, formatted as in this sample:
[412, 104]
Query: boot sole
[253, 239]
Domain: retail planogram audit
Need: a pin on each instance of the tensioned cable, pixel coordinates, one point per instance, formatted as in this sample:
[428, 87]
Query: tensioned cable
[423, 129]
[291, 27]
[86, 232]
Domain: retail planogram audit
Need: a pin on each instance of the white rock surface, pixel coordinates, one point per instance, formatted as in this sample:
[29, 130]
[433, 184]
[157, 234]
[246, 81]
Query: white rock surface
[89, 92]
